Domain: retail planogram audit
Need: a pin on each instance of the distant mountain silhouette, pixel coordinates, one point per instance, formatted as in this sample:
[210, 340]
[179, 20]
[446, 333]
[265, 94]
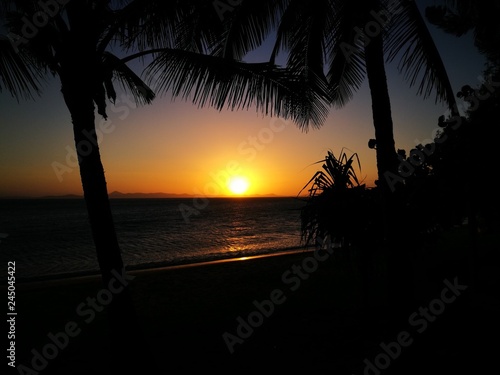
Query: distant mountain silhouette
[66, 196]
[120, 195]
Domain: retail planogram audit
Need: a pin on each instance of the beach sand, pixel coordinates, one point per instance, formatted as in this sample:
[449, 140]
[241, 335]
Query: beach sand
[317, 326]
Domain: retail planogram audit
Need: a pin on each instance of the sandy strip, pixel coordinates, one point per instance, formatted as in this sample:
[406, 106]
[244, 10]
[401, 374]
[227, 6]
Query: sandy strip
[28, 285]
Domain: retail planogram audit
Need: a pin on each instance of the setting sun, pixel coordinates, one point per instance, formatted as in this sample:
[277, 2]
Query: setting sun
[238, 185]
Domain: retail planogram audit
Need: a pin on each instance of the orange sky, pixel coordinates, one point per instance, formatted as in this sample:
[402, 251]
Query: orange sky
[170, 147]
[175, 147]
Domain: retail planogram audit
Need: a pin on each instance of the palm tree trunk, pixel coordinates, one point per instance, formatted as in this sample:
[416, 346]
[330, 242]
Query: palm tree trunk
[381, 109]
[395, 243]
[127, 342]
[81, 107]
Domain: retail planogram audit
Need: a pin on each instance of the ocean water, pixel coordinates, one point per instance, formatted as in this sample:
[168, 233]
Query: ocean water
[51, 237]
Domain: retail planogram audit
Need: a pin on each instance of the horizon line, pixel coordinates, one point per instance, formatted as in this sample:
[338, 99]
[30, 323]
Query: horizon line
[158, 195]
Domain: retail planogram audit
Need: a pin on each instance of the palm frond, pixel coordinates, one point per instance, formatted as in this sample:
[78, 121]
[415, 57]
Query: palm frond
[284, 32]
[191, 25]
[28, 7]
[301, 35]
[410, 39]
[449, 21]
[247, 26]
[17, 72]
[129, 80]
[148, 24]
[44, 45]
[346, 71]
[480, 18]
[209, 80]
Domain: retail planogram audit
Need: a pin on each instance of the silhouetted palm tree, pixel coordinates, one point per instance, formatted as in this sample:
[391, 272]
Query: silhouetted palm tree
[73, 42]
[78, 52]
[205, 61]
[338, 43]
[330, 48]
[335, 44]
[198, 53]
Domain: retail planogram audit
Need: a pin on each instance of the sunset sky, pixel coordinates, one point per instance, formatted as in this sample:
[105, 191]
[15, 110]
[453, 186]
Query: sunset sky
[175, 147]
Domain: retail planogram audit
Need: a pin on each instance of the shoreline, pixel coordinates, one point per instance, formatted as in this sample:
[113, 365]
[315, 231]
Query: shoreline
[48, 280]
[247, 315]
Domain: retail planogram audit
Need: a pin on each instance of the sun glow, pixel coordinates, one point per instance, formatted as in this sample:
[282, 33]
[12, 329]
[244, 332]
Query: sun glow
[238, 185]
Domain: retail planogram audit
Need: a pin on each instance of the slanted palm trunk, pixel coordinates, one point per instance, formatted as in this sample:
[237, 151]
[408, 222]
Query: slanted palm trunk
[395, 245]
[79, 100]
[126, 339]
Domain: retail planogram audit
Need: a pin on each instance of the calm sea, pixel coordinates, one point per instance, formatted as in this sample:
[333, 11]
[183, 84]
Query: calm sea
[51, 237]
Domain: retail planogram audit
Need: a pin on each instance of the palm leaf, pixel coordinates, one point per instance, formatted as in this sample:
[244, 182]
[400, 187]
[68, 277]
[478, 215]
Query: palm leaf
[129, 80]
[301, 35]
[479, 17]
[457, 24]
[247, 26]
[410, 39]
[209, 80]
[191, 25]
[346, 71]
[150, 24]
[17, 73]
[305, 35]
